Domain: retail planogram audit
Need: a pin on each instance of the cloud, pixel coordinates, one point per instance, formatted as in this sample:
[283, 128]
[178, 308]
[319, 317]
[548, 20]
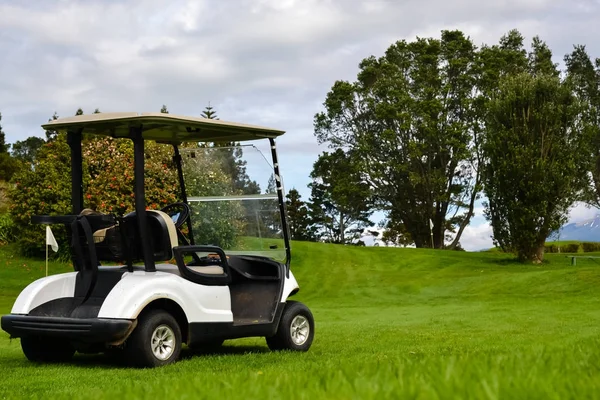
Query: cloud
[477, 237]
[268, 62]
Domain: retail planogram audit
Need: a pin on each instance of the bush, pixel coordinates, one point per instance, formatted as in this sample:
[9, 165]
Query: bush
[589, 247]
[570, 248]
[550, 248]
[107, 182]
[7, 229]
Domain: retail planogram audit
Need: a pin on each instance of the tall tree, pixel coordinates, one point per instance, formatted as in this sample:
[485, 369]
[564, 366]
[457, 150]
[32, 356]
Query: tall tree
[8, 164]
[3, 145]
[209, 112]
[233, 161]
[298, 217]
[584, 77]
[51, 134]
[535, 162]
[409, 118]
[340, 198]
[26, 150]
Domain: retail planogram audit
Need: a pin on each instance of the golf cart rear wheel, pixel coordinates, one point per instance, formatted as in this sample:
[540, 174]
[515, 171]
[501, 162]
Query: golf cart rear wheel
[47, 349]
[296, 329]
[156, 340]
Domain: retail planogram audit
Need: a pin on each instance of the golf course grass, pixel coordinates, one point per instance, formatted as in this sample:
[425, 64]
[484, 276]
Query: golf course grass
[390, 323]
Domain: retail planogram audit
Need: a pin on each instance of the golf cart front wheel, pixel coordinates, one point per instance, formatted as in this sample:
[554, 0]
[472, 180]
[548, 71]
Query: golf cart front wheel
[296, 329]
[156, 340]
[48, 349]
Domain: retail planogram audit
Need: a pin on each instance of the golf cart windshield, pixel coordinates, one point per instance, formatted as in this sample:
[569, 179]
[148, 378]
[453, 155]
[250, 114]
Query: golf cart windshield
[233, 199]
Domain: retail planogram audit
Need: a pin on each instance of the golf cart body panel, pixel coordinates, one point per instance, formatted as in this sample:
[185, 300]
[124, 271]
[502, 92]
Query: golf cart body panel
[138, 289]
[290, 287]
[213, 291]
[44, 290]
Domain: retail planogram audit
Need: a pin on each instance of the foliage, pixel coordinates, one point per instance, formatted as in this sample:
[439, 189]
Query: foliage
[215, 222]
[3, 145]
[45, 189]
[533, 146]
[111, 181]
[108, 184]
[8, 165]
[50, 134]
[340, 199]
[26, 150]
[590, 247]
[209, 112]
[298, 217]
[584, 77]
[7, 229]
[409, 118]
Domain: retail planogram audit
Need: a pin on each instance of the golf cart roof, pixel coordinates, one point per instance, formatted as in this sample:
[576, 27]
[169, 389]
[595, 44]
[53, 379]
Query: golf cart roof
[162, 127]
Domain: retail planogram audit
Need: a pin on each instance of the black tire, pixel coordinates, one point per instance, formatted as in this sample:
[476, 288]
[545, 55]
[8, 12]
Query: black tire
[47, 349]
[286, 337]
[138, 349]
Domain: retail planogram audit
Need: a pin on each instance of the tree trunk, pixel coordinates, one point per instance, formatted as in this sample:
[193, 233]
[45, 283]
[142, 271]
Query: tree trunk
[539, 254]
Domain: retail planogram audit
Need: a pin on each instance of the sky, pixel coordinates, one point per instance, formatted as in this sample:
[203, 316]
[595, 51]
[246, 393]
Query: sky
[265, 62]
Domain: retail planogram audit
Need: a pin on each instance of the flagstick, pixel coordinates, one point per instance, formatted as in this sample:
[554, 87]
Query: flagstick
[46, 260]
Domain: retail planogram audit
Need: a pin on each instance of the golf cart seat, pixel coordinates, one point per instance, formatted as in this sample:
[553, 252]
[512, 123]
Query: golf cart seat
[163, 235]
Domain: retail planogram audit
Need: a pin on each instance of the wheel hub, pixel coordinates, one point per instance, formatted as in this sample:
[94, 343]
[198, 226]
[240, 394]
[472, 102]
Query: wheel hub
[300, 330]
[163, 342]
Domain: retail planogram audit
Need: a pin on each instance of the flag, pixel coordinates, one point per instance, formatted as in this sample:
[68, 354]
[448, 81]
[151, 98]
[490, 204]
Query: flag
[430, 224]
[50, 240]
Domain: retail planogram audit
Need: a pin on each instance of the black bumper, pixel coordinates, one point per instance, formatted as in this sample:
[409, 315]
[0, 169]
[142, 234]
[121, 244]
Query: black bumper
[89, 330]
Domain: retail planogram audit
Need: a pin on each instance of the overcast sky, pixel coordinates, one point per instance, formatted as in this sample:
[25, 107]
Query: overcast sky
[267, 62]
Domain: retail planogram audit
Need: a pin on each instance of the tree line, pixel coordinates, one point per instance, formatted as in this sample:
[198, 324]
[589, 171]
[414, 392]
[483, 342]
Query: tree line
[433, 125]
[429, 128]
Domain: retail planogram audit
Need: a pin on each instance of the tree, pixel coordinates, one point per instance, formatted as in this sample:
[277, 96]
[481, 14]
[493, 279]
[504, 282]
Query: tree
[409, 119]
[535, 162]
[584, 77]
[164, 110]
[8, 165]
[209, 112]
[3, 145]
[298, 217]
[26, 150]
[340, 199]
[233, 162]
[50, 134]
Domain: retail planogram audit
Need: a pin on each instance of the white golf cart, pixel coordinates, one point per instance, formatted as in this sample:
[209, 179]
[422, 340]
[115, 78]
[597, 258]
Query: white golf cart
[144, 307]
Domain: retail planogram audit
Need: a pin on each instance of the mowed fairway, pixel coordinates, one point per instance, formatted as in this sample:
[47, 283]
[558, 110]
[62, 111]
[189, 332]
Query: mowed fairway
[391, 323]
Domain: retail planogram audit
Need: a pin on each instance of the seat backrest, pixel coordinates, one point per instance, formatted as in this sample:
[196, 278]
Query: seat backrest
[162, 235]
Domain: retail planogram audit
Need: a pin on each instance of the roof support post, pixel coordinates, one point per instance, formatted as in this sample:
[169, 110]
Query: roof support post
[74, 141]
[177, 161]
[140, 197]
[282, 210]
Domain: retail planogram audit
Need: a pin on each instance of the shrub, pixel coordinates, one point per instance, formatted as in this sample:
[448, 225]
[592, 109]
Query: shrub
[551, 248]
[570, 248]
[589, 247]
[7, 229]
[107, 181]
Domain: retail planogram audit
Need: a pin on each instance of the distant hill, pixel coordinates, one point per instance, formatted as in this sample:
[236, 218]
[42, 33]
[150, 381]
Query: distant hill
[586, 231]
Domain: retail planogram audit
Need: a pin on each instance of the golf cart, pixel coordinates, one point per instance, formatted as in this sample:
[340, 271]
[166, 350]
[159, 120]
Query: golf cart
[148, 281]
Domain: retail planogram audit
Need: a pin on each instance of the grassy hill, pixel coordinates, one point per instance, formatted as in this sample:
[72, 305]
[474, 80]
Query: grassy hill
[391, 323]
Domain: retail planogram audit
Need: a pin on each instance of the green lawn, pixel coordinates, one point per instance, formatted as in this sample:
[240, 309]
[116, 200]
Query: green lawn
[391, 323]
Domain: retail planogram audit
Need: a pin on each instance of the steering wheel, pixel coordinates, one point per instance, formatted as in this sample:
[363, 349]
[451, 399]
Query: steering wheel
[179, 213]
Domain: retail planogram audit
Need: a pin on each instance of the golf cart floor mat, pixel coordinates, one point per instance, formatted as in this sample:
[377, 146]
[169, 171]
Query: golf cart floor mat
[74, 307]
[254, 302]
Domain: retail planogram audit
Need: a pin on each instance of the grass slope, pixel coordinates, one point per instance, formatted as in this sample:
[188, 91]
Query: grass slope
[391, 323]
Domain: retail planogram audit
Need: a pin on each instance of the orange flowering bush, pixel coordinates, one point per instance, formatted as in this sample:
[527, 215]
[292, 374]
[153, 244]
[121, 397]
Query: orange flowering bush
[107, 180]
